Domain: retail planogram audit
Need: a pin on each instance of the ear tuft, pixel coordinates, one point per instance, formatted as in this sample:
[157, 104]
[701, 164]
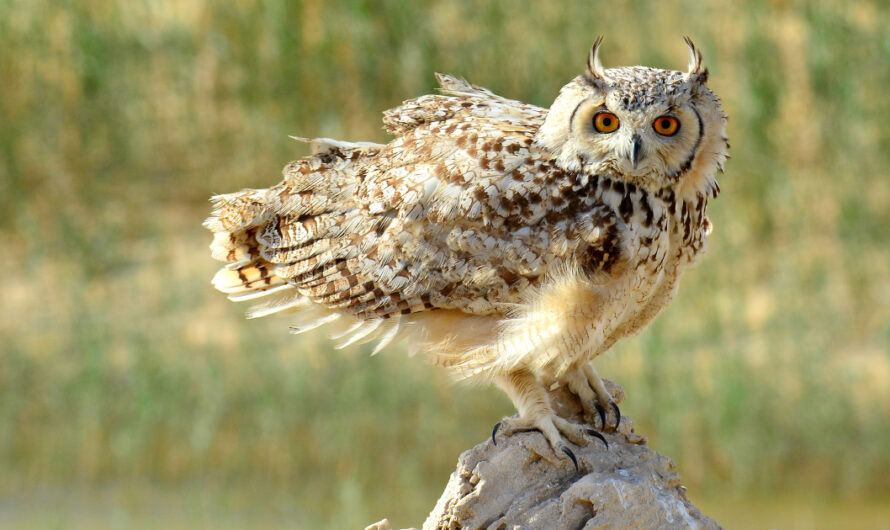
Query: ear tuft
[696, 71]
[595, 72]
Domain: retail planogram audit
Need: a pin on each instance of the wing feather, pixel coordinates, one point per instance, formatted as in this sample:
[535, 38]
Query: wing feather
[461, 101]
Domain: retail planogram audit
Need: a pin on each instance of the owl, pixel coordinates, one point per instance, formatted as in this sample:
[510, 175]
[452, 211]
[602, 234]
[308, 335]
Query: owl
[507, 242]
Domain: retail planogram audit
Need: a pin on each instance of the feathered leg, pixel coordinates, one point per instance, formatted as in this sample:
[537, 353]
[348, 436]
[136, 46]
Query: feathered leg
[535, 413]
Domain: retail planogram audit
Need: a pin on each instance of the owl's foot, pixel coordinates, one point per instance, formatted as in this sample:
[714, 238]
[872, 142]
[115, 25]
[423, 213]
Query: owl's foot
[536, 414]
[553, 428]
[595, 399]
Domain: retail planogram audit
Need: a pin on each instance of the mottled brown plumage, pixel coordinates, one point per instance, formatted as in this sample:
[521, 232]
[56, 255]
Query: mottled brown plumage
[508, 241]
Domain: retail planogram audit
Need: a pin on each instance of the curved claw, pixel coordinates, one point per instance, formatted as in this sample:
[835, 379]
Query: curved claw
[602, 412]
[598, 435]
[571, 455]
[617, 413]
[494, 430]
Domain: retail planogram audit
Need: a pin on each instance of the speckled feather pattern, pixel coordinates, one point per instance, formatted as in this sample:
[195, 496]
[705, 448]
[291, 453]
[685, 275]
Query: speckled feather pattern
[483, 230]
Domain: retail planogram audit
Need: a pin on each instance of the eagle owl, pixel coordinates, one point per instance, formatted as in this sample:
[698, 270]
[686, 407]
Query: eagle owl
[506, 241]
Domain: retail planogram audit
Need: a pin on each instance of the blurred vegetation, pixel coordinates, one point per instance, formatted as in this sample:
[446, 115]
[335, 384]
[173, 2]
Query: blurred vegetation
[131, 393]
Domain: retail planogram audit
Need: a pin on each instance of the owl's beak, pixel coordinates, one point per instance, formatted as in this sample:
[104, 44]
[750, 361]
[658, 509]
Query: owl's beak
[636, 150]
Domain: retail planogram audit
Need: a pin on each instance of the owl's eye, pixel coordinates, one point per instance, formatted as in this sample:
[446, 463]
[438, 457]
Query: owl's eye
[666, 125]
[605, 122]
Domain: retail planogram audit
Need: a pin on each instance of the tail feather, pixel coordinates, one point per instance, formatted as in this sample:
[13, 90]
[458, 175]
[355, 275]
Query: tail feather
[367, 328]
[271, 238]
[392, 334]
[255, 295]
[459, 98]
[250, 278]
[455, 86]
[313, 318]
[283, 303]
[237, 211]
[289, 232]
[321, 146]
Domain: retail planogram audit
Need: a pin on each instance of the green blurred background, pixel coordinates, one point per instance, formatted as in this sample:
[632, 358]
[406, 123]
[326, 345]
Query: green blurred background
[133, 395]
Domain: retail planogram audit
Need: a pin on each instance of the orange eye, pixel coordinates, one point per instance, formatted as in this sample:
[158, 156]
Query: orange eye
[666, 125]
[605, 122]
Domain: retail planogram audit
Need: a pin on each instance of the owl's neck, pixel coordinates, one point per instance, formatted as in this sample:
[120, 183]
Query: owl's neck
[697, 180]
[700, 180]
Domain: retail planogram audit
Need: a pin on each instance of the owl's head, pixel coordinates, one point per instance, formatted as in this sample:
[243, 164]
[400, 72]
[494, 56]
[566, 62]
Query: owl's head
[652, 127]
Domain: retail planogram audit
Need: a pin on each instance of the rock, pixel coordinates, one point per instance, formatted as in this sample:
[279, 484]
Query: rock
[382, 524]
[520, 483]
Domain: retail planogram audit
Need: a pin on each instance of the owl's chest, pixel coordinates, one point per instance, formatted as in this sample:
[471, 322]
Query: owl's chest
[650, 257]
[673, 237]
[659, 253]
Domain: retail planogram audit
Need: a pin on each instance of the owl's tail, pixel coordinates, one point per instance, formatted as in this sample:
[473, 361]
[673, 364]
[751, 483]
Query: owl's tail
[271, 238]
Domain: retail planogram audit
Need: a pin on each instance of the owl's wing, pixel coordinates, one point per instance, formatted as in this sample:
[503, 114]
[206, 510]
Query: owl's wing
[461, 101]
[460, 213]
[479, 214]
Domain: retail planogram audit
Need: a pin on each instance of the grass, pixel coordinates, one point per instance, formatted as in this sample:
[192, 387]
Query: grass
[125, 378]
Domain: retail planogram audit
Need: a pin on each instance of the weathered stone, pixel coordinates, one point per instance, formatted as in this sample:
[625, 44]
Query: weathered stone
[520, 483]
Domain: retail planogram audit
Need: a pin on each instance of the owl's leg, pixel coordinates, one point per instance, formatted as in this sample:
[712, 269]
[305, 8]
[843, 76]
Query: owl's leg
[595, 399]
[535, 413]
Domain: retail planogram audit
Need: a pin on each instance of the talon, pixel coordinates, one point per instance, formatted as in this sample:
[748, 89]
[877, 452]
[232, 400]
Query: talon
[571, 455]
[602, 413]
[598, 435]
[494, 430]
[536, 414]
[617, 414]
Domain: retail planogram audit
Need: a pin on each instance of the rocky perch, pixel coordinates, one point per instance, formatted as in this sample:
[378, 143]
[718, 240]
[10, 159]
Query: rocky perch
[521, 484]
